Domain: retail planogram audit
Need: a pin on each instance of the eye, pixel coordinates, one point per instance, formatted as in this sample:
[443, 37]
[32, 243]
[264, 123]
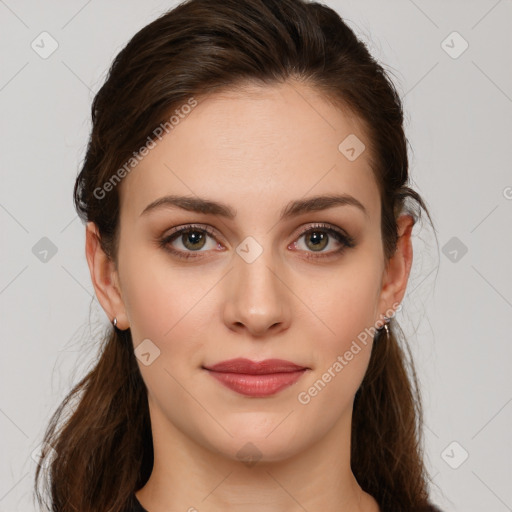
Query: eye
[192, 239]
[320, 236]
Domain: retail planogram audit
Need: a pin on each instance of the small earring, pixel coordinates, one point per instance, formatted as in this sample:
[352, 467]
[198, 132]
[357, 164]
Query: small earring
[114, 323]
[384, 327]
[387, 330]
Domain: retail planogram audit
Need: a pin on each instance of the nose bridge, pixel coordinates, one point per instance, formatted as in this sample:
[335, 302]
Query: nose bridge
[257, 299]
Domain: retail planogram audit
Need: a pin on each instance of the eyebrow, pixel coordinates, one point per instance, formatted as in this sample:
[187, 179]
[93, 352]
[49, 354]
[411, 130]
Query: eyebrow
[293, 208]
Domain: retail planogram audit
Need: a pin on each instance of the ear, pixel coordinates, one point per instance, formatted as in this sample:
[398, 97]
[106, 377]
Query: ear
[396, 274]
[104, 277]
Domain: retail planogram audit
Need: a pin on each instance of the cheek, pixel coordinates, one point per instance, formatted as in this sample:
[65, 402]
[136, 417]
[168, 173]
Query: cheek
[344, 311]
[340, 364]
[342, 306]
[162, 299]
[172, 309]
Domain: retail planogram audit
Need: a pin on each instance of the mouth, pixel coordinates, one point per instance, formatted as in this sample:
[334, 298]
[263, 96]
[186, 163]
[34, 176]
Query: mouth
[256, 378]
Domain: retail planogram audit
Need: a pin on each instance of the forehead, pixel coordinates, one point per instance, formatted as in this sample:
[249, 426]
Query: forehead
[256, 146]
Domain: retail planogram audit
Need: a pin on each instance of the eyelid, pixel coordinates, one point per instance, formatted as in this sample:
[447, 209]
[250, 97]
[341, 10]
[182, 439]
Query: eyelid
[325, 226]
[210, 230]
[190, 227]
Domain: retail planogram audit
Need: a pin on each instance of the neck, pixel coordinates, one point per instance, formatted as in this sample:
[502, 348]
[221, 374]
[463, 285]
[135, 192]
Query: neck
[187, 476]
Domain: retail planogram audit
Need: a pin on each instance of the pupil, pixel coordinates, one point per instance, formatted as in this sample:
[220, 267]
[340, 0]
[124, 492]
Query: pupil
[317, 237]
[193, 238]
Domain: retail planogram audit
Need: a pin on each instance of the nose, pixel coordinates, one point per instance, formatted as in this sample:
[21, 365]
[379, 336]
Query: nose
[257, 298]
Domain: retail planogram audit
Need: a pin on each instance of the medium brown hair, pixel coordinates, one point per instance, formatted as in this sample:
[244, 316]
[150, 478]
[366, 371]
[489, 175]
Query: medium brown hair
[104, 448]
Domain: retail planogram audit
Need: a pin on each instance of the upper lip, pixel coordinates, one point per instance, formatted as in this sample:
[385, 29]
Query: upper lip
[246, 366]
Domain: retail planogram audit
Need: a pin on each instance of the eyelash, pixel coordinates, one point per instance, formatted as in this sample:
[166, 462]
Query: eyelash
[345, 240]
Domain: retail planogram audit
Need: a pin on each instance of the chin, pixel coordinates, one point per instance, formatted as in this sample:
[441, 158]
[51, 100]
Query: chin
[261, 451]
[253, 445]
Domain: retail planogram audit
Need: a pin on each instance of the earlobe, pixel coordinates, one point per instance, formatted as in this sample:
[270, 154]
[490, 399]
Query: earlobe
[104, 277]
[396, 274]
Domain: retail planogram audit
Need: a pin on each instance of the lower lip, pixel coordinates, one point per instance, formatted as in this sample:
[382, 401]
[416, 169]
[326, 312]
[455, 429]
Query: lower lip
[257, 385]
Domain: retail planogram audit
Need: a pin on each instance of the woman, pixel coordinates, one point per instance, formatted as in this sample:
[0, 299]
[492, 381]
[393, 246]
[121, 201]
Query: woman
[249, 224]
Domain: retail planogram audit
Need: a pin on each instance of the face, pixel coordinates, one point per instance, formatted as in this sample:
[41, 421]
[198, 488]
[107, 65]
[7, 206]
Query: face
[280, 277]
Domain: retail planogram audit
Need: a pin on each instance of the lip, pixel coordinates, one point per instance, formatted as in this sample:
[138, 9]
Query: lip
[256, 378]
[246, 366]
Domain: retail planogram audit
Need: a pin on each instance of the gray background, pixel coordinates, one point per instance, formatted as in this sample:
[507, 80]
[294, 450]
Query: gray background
[458, 307]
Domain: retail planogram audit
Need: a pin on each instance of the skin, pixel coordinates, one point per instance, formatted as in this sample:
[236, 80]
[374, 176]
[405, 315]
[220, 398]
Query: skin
[255, 150]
